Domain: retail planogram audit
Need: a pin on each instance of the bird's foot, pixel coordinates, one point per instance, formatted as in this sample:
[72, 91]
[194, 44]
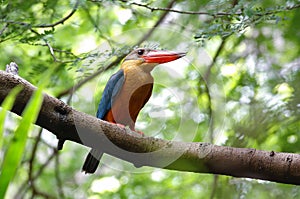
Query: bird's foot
[140, 132]
[127, 127]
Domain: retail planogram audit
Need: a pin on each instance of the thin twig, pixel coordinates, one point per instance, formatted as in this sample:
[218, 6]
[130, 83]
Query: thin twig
[25, 186]
[30, 180]
[51, 49]
[57, 178]
[61, 21]
[12, 37]
[208, 71]
[3, 29]
[36, 192]
[33, 155]
[41, 169]
[178, 11]
[205, 13]
[214, 186]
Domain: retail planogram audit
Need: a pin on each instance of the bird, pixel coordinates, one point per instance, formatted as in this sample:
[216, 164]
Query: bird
[127, 91]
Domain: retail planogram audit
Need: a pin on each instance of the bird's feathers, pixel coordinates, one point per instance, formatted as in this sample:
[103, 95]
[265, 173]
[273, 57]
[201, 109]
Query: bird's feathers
[92, 161]
[112, 88]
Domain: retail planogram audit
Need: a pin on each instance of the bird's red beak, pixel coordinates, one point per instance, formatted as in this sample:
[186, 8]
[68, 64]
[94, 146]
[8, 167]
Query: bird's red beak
[160, 57]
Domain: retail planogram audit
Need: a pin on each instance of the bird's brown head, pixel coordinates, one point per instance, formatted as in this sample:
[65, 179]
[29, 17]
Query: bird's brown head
[148, 59]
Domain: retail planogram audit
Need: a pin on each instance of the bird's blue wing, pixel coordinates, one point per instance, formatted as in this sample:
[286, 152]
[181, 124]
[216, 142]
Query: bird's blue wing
[112, 88]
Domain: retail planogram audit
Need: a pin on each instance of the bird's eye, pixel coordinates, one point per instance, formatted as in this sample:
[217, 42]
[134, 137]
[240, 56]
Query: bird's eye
[140, 52]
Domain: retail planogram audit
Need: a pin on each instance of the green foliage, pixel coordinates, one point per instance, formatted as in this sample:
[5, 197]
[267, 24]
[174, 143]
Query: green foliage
[16, 148]
[238, 86]
[7, 105]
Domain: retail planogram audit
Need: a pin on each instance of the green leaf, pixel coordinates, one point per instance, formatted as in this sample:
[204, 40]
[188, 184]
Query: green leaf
[6, 106]
[16, 148]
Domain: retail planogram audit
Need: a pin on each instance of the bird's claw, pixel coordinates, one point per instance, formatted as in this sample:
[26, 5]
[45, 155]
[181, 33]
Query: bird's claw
[140, 132]
[130, 130]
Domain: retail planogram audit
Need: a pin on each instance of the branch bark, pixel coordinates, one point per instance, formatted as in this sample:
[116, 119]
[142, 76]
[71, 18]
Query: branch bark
[67, 123]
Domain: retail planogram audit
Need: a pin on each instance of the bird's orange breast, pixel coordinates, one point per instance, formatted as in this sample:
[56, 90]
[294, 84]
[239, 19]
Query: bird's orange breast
[134, 94]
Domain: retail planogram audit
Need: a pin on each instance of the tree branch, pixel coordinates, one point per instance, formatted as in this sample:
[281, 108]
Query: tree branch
[61, 21]
[67, 123]
[218, 14]
[174, 10]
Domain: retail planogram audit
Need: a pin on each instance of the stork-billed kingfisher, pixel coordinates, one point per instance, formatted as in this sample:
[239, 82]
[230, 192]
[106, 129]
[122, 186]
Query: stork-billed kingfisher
[127, 91]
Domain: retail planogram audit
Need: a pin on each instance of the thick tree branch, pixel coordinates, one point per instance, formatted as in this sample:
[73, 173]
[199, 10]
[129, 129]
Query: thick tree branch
[67, 123]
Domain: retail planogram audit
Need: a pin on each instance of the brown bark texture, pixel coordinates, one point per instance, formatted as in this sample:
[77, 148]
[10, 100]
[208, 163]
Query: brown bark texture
[68, 124]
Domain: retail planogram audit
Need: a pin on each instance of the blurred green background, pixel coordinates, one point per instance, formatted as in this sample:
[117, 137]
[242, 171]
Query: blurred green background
[239, 86]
